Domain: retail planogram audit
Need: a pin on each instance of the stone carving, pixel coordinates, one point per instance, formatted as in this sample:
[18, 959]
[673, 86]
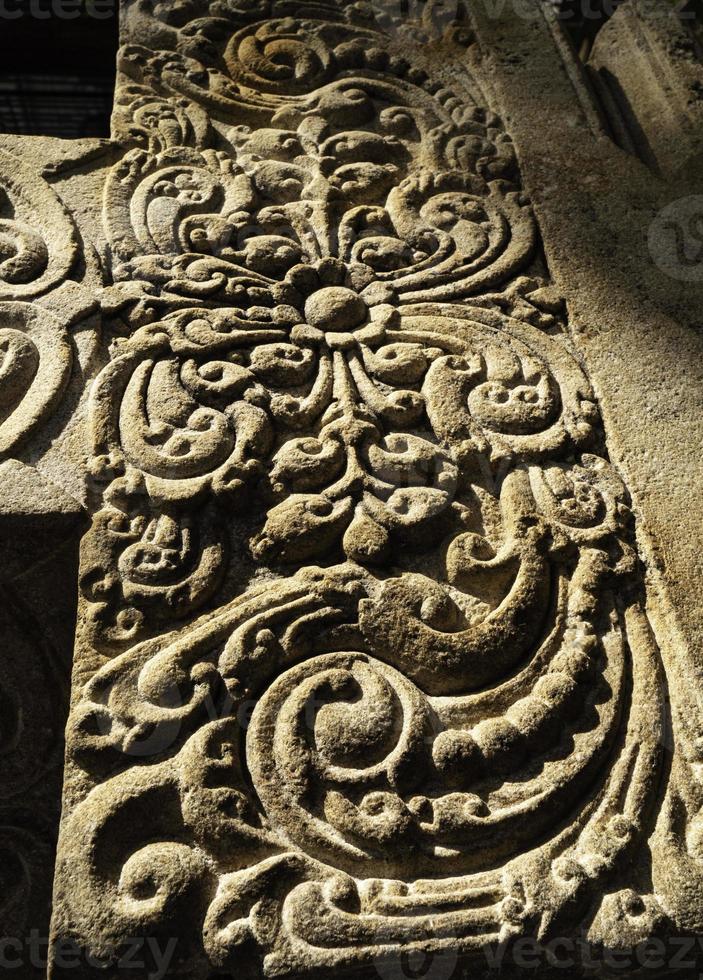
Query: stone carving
[47, 288]
[43, 274]
[38, 244]
[38, 248]
[36, 366]
[341, 419]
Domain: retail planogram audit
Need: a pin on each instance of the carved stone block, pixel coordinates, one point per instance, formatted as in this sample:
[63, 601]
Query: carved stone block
[364, 668]
[47, 347]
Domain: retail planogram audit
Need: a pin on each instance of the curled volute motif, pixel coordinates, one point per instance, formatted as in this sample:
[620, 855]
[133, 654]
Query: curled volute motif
[35, 366]
[38, 248]
[38, 243]
[341, 423]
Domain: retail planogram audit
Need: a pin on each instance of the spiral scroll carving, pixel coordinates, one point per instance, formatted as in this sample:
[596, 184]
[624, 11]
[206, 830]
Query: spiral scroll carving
[35, 365]
[38, 248]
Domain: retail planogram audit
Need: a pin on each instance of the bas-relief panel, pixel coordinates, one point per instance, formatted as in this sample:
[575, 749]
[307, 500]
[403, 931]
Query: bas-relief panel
[363, 665]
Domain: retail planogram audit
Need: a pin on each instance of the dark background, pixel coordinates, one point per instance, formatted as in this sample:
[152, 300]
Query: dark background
[57, 75]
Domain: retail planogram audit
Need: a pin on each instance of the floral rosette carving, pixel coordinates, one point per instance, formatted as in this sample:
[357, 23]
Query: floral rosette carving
[360, 429]
[381, 169]
[341, 422]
